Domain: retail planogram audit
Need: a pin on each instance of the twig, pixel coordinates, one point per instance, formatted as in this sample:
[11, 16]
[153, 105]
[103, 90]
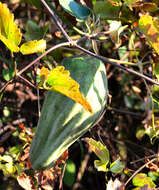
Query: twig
[141, 159]
[117, 65]
[26, 81]
[5, 85]
[126, 112]
[135, 173]
[89, 53]
[42, 55]
[56, 21]
[61, 178]
[81, 170]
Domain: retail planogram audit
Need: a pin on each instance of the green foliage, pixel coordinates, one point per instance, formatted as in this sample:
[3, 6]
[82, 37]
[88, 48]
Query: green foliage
[105, 10]
[116, 166]
[9, 73]
[34, 32]
[141, 180]
[102, 153]
[75, 9]
[70, 173]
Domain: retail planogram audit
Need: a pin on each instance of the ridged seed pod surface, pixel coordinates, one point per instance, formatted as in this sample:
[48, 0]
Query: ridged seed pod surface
[62, 120]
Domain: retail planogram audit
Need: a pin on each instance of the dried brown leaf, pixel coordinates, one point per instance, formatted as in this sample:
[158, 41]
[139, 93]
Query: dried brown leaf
[26, 182]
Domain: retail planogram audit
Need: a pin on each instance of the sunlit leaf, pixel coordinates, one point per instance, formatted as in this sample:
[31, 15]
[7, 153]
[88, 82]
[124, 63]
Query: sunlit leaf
[33, 47]
[14, 150]
[100, 166]
[141, 179]
[116, 166]
[59, 80]
[153, 133]
[140, 132]
[116, 29]
[101, 152]
[6, 165]
[10, 34]
[148, 28]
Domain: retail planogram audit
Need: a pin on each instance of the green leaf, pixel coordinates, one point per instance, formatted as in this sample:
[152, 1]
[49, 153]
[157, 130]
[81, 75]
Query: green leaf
[100, 166]
[15, 149]
[81, 12]
[10, 34]
[154, 175]
[141, 179]
[34, 32]
[140, 132]
[33, 47]
[153, 133]
[101, 152]
[116, 166]
[129, 2]
[10, 72]
[70, 173]
[116, 29]
[105, 10]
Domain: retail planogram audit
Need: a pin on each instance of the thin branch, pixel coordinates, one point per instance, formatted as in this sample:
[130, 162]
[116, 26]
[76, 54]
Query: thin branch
[26, 81]
[42, 55]
[5, 85]
[117, 65]
[92, 54]
[142, 167]
[143, 159]
[74, 43]
[56, 20]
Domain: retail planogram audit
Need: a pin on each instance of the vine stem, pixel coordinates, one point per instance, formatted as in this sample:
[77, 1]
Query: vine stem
[142, 167]
[74, 43]
[42, 55]
[117, 65]
[56, 21]
[89, 53]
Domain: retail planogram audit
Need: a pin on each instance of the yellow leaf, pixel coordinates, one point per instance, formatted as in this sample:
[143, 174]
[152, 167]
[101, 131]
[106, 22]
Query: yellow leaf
[59, 80]
[33, 47]
[10, 34]
[147, 25]
[44, 72]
